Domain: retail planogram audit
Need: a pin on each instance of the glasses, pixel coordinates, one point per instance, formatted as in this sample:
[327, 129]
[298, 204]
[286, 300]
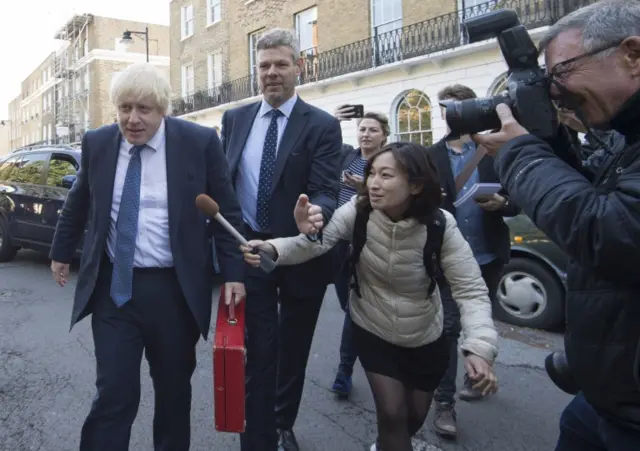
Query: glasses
[561, 69]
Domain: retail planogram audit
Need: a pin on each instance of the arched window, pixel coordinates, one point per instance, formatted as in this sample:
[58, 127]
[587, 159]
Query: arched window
[413, 118]
[498, 85]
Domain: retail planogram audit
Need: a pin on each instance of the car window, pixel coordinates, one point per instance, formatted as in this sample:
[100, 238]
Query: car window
[29, 169]
[60, 166]
[7, 167]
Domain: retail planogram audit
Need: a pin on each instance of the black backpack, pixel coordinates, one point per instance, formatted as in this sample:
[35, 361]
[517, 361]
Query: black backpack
[435, 225]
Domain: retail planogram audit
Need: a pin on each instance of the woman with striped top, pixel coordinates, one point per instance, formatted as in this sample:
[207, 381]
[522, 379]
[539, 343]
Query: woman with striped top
[372, 133]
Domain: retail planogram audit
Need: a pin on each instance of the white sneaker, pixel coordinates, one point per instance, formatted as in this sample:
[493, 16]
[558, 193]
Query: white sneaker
[373, 448]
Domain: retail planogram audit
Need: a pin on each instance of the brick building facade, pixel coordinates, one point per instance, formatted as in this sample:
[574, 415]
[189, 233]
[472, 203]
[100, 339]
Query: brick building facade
[68, 93]
[226, 28]
[393, 56]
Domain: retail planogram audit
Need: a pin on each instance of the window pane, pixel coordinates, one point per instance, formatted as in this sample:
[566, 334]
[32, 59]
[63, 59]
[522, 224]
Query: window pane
[413, 119]
[403, 121]
[7, 167]
[304, 27]
[425, 117]
[58, 168]
[29, 170]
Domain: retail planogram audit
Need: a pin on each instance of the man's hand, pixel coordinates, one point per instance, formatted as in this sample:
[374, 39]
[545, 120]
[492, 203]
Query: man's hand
[569, 118]
[60, 272]
[510, 130]
[235, 291]
[308, 216]
[480, 371]
[493, 203]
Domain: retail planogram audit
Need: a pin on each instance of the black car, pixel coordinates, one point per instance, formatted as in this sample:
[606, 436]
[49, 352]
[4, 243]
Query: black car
[34, 182]
[532, 290]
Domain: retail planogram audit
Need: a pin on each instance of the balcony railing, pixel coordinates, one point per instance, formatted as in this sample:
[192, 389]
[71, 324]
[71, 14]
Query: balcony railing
[422, 38]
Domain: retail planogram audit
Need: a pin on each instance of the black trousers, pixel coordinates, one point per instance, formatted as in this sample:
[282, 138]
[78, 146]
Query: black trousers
[342, 279]
[278, 345]
[491, 273]
[157, 321]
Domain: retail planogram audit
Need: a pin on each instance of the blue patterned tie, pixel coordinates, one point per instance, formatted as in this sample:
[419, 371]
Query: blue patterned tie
[127, 231]
[267, 167]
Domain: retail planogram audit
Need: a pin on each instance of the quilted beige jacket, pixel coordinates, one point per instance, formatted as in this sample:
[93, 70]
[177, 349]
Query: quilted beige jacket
[394, 284]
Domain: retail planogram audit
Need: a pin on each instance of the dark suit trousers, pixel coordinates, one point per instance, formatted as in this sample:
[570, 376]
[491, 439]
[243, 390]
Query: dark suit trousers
[157, 321]
[491, 273]
[342, 279]
[278, 344]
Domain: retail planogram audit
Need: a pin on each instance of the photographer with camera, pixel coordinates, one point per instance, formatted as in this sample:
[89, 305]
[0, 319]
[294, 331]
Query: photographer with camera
[593, 61]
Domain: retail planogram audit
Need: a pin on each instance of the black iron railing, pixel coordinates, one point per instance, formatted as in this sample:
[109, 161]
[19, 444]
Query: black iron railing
[422, 38]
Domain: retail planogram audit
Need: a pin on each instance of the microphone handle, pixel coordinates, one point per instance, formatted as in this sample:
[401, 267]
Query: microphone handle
[229, 228]
[266, 262]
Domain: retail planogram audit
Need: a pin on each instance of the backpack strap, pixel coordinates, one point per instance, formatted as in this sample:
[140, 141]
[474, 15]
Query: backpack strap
[357, 244]
[436, 226]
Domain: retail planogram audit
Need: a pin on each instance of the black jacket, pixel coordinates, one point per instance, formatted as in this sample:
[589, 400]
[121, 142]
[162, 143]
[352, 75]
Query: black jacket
[599, 228]
[497, 236]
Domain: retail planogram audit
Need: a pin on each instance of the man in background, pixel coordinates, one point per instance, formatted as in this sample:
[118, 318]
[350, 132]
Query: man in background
[482, 224]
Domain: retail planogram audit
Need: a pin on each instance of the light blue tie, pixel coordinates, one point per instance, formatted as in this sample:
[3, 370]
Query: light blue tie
[127, 231]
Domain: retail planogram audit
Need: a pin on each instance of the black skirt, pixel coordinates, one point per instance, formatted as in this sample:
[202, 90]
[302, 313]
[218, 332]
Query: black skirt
[419, 368]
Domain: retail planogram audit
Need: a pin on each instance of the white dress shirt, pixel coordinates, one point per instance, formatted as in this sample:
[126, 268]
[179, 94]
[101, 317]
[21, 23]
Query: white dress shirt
[153, 249]
[248, 177]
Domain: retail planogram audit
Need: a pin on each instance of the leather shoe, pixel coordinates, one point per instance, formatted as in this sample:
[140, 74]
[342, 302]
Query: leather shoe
[287, 440]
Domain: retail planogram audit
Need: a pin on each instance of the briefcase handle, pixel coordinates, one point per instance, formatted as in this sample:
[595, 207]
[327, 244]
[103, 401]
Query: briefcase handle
[232, 310]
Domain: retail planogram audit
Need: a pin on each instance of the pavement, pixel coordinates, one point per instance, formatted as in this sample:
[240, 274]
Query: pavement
[47, 383]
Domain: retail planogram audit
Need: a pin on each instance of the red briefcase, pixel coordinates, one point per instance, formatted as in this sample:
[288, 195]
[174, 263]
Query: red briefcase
[229, 355]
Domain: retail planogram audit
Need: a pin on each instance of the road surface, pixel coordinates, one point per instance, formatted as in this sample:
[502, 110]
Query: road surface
[47, 377]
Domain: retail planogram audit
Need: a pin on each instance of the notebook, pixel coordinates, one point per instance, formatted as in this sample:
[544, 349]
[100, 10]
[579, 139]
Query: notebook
[478, 190]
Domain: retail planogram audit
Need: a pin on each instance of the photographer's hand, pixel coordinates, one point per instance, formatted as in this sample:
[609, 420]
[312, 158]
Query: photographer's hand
[510, 129]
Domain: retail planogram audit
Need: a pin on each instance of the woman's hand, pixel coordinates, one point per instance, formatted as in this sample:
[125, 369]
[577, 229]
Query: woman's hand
[344, 113]
[481, 372]
[250, 254]
[354, 181]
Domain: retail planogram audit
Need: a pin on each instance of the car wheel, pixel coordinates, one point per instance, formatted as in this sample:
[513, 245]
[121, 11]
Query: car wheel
[7, 250]
[530, 295]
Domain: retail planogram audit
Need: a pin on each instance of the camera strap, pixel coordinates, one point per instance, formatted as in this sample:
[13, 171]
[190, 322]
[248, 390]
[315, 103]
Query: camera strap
[616, 168]
[468, 169]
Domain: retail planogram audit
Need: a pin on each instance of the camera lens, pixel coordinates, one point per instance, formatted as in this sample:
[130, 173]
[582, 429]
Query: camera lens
[473, 115]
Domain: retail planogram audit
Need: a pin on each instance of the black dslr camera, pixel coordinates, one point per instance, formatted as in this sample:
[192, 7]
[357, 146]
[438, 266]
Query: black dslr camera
[527, 92]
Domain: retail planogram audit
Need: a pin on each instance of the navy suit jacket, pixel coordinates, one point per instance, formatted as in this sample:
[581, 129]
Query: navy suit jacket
[195, 165]
[308, 162]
